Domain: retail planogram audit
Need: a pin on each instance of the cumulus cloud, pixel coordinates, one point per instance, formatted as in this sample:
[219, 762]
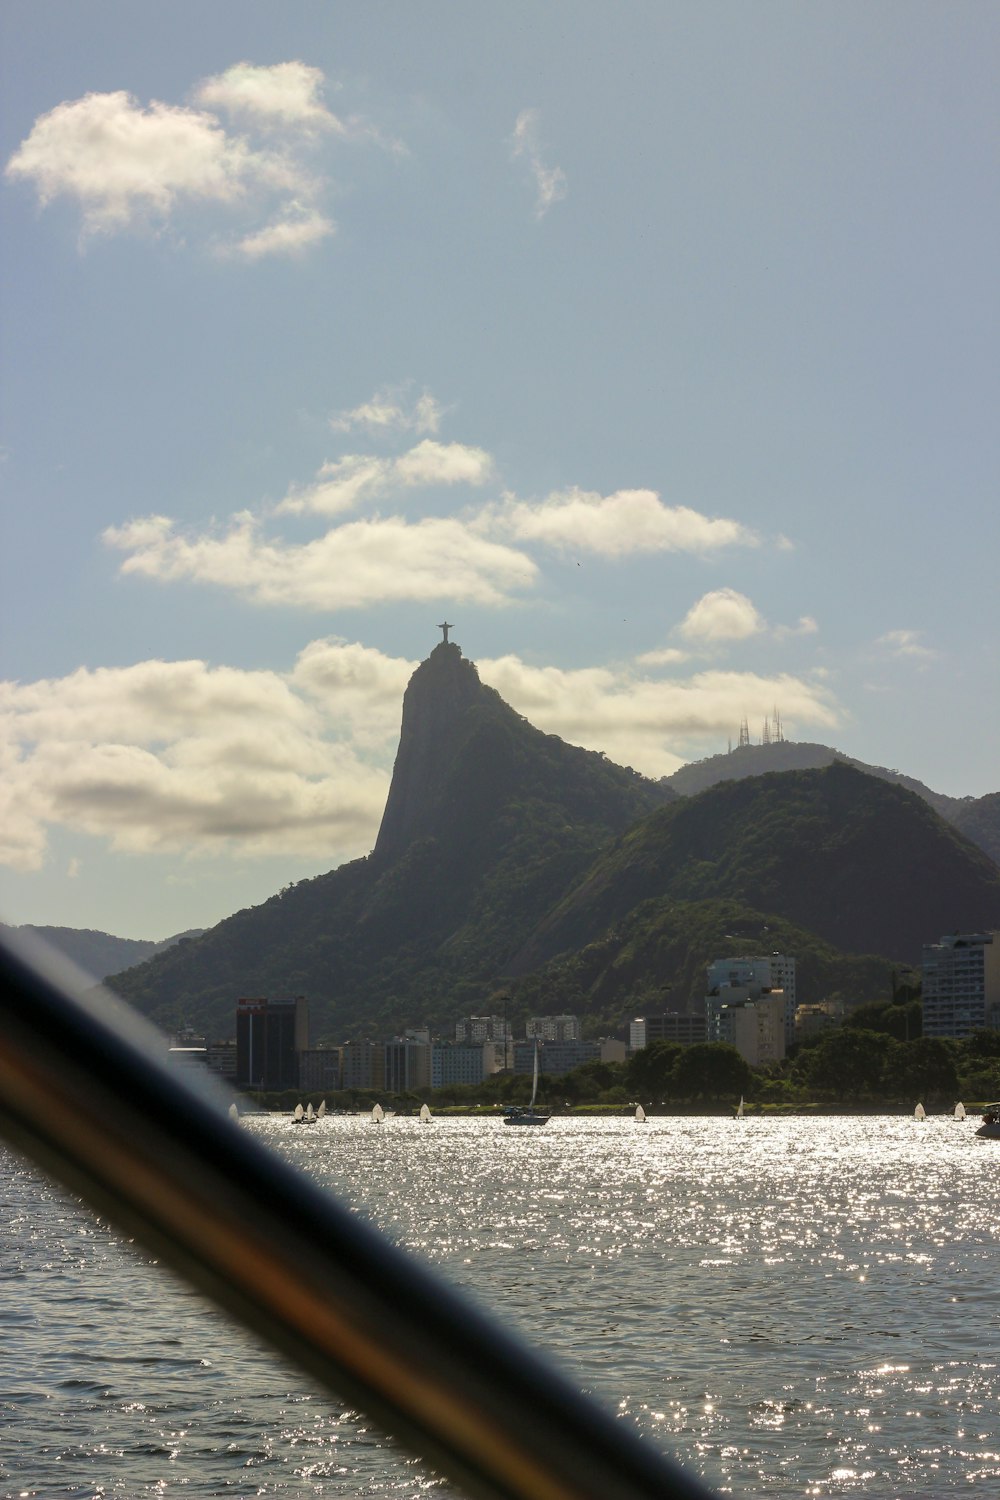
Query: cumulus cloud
[388, 411]
[617, 525]
[284, 94]
[667, 656]
[120, 161]
[128, 165]
[357, 564]
[346, 482]
[180, 756]
[652, 724]
[722, 615]
[549, 182]
[197, 760]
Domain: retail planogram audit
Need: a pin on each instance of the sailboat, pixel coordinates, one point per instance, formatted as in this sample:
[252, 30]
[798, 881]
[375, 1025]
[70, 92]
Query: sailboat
[959, 1110]
[321, 1111]
[298, 1115]
[310, 1115]
[739, 1109]
[234, 1113]
[530, 1116]
[378, 1114]
[425, 1115]
[640, 1115]
[920, 1113]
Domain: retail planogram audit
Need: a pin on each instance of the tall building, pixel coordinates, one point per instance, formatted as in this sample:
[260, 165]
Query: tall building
[756, 1028]
[748, 977]
[452, 1063]
[474, 1030]
[363, 1065]
[670, 1027]
[555, 1028]
[270, 1034]
[407, 1065]
[961, 984]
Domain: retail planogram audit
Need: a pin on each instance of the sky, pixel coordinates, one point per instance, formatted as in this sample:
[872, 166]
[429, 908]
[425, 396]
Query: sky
[652, 345]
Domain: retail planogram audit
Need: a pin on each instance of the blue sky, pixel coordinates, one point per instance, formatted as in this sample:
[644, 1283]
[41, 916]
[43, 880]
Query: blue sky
[653, 345]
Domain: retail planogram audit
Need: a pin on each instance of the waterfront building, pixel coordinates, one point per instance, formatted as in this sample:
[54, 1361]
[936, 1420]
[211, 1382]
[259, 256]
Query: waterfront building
[747, 977]
[555, 1028]
[554, 1058]
[815, 1020]
[961, 984]
[669, 1027]
[474, 1030]
[221, 1059]
[269, 1036]
[407, 1065]
[363, 1065]
[452, 1063]
[755, 1027]
[320, 1070]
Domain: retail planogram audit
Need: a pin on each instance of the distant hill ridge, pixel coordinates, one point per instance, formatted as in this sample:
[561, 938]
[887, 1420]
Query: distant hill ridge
[977, 817]
[99, 953]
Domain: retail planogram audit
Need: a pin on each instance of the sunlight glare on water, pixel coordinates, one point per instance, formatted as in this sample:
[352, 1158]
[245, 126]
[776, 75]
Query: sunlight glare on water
[792, 1307]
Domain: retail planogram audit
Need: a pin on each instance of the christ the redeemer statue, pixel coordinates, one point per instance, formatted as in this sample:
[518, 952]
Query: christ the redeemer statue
[445, 625]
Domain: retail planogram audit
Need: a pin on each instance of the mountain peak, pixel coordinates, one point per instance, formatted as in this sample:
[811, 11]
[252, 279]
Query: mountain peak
[438, 696]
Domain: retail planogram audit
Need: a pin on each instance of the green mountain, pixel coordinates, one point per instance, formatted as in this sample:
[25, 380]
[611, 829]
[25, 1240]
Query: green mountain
[864, 864]
[487, 824]
[98, 953]
[508, 859]
[977, 817]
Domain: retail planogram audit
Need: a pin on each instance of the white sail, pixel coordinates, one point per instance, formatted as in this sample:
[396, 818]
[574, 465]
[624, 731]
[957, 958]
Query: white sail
[920, 1113]
[534, 1081]
[298, 1113]
[959, 1110]
[425, 1114]
[321, 1111]
[739, 1109]
[378, 1114]
[310, 1112]
[640, 1115]
[234, 1113]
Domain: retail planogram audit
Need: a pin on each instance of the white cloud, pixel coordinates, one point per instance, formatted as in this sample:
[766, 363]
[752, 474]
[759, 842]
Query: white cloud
[123, 163]
[907, 645]
[202, 761]
[285, 94]
[616, 525]
[358, 564]
[291, 235]
[652, 724]
[179, 756]
[387, 411]
[346, 482]
[668, 656]
[549, 182]
[722, 615]
[805, 625]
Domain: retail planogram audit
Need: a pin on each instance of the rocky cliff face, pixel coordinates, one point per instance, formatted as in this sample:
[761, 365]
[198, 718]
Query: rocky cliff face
[438, 696]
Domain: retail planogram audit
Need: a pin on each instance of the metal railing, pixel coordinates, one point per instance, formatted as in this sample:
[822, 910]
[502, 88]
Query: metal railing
[85, 1093]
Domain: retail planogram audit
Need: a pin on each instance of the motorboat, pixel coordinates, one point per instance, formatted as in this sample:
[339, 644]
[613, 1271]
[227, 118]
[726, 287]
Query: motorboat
[990, 1127]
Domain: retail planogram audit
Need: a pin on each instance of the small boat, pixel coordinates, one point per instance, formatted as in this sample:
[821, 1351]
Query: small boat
[309, 1118]
[640, 1115]
[920, 1113]
[378, 1114]
[234, 1113]
[516, 1115]
[425, 1115]
[739, 1109]
[959, 1110]
[990, 1128]
[320, 1113]
[298, 1115]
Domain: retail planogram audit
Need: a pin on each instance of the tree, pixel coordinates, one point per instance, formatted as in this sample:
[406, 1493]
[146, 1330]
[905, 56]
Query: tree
[710, 1070]
[650, 1071]
[847, 1062]
[924, 1068]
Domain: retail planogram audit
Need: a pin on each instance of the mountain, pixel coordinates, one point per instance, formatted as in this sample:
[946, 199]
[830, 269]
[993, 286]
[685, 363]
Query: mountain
[511, 863]
[862, 863]
[98, 953]
[487, 824]
[977, 817]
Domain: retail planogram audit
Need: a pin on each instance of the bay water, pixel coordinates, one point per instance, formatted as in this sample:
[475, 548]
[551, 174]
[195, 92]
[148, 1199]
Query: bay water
[791, 1307]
